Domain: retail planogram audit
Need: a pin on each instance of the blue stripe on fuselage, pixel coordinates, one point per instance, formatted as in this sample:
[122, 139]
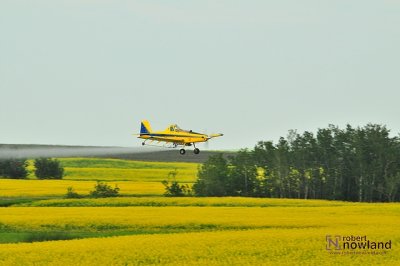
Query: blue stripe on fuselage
[172, 135]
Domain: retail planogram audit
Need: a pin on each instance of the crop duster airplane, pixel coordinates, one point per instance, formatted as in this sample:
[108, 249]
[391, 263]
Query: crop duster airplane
[175, 135]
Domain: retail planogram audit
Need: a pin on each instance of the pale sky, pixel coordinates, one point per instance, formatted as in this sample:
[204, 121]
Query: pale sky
[86, 72]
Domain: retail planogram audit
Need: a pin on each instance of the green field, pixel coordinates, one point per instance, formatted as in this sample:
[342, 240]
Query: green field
[125, 170]
[134, 178]
[39, 227]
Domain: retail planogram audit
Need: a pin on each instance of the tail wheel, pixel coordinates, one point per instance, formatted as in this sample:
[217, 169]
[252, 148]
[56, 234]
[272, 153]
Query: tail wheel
[182, 151]
[196, 151]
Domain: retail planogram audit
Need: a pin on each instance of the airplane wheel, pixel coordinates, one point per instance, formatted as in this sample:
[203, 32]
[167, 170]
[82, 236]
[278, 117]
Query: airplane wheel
[143, 143]
[182, 151]
[196, 151]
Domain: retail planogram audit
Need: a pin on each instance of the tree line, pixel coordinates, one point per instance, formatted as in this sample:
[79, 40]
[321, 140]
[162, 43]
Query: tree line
[45, 168]
[351, 164]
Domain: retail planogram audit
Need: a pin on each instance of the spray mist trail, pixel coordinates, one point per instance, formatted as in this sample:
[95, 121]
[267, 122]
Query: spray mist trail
[37, 151]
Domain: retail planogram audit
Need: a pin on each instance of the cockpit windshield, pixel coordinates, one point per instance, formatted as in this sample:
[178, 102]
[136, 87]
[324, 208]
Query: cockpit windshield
[176, 128]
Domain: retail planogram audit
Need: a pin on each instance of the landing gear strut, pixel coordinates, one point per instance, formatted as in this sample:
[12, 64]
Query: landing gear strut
[196, 150]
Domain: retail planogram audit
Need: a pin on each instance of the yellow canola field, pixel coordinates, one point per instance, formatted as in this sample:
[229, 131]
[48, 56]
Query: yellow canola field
[132, 177]
[188, 201]
[246, 247]
[184, 231]
[228, 235]
[45, 188]
[383, 217]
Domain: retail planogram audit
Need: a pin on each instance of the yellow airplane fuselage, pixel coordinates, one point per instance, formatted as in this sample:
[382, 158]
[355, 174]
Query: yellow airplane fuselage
[174, 138]
[173, 134]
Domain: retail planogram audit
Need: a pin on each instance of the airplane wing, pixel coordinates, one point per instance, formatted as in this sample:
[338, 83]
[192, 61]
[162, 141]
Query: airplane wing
[166, 139]
[215, 135]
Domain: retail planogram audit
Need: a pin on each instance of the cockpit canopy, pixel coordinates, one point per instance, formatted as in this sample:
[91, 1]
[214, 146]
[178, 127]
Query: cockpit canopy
[176, 128]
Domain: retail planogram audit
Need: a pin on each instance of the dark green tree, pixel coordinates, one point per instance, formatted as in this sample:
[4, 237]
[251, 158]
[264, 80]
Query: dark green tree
[282, 167]
[212, 177]
[47, 168]
[173, 188]
[72, 194]
[103, 190]
[264, 157]
[13, 168]
[242, 175]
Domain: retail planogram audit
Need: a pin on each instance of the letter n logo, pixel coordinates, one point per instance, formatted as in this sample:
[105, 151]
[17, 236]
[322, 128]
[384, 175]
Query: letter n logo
[332, 242]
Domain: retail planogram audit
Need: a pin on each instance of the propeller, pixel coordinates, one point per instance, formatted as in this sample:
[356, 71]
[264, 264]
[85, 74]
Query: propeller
[206, 144]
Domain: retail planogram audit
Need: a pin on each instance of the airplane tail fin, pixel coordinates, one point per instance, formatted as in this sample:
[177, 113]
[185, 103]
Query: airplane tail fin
[145, 127]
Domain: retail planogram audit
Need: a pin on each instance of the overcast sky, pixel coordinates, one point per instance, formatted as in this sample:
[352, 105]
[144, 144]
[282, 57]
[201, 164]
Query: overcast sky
[86, 72]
